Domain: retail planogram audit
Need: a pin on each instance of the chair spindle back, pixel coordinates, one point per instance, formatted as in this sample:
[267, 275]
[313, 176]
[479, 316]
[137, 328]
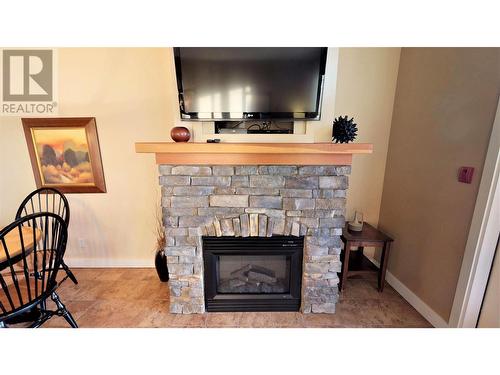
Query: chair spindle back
[24, 280]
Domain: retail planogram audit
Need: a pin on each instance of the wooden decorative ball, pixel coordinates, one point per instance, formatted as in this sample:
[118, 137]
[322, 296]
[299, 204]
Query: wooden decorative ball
[180, 134]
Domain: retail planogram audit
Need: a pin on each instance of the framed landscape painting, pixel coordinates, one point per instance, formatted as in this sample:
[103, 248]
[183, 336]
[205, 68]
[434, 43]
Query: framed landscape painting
[65, 153]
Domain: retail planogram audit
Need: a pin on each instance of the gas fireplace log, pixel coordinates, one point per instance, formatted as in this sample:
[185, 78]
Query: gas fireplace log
[256, 274]
[252, 267]
[263, 270]
[241, 273]
[235, 283]
[238, 286]
[261, 277]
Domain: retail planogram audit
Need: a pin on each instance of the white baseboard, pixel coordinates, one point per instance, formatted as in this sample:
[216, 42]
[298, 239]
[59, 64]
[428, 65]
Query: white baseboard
[110, 263]
[433, 317]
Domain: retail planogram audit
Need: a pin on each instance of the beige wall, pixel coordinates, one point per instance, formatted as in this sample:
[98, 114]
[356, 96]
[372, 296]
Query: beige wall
[366, 84]
[125, 90]
[132, 94]
[443, 114]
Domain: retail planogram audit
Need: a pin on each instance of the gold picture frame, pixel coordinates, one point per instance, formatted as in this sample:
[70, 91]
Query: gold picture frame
[65, 153]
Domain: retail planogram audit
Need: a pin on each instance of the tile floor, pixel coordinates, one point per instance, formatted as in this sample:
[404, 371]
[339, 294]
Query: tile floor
[122, 297]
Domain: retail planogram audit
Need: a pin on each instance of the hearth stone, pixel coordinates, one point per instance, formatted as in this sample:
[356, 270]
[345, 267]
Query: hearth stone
[259, 201]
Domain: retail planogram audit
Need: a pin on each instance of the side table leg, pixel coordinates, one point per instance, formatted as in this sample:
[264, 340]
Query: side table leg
[359, 253]
[345, 265]
[383, 266]
[361, 249]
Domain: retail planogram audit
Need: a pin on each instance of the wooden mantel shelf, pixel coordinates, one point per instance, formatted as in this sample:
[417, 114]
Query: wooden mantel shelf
[253, 153]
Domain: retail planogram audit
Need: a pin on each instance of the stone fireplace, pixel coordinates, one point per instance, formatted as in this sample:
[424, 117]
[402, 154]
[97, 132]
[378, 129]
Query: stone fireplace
[254, 201]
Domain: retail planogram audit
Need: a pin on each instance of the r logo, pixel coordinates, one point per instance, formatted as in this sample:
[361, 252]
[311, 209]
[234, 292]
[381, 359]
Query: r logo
[27, 75]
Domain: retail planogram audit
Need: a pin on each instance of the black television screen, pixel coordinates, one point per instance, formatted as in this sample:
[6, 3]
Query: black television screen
[250, 83]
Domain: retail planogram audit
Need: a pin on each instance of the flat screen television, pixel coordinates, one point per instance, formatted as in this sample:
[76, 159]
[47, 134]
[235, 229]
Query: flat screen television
[233, 83]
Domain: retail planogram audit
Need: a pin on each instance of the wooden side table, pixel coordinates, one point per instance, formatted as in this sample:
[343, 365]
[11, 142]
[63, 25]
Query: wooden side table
[359, 263]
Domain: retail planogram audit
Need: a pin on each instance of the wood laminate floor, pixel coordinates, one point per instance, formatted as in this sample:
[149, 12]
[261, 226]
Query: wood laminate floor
[132, 297]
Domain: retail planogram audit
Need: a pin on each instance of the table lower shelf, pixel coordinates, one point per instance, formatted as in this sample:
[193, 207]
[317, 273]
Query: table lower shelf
[359, 264]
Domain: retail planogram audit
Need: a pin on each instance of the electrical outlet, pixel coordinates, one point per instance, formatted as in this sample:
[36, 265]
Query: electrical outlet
[82, 244]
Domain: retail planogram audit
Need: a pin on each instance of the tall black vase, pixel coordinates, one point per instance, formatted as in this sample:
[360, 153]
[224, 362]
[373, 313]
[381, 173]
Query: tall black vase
[161, 265]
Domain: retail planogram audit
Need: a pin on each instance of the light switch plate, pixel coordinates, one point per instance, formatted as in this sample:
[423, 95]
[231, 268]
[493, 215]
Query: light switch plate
[465, 174]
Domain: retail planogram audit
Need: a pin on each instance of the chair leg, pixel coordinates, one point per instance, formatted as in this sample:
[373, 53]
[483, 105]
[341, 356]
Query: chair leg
[38, 323]
[63, 310]
[69, 273]
[43, 305]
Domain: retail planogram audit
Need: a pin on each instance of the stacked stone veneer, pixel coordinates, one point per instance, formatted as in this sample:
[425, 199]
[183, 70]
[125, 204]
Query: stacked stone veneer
[253, 201]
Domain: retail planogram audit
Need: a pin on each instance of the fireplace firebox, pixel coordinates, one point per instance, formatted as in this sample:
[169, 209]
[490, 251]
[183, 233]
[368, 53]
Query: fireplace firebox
[253, 273]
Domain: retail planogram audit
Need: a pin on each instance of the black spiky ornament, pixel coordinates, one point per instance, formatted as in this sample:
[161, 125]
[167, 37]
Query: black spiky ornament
[344, 130]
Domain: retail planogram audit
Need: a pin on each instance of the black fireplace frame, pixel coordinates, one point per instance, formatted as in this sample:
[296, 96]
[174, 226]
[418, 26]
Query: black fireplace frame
[276, 245]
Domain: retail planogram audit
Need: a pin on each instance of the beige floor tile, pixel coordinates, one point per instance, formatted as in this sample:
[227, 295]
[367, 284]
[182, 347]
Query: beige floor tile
[321, 321]
[406, 315]
[287, 319]
[189, 321]
[223, 320]
[114, 314]
[367, 289]
[77, 310]
[158, 317]
[365, 313]
[136, 298]
[257, 320]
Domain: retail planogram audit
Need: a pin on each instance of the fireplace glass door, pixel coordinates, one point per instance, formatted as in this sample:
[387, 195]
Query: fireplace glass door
[252, 273]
